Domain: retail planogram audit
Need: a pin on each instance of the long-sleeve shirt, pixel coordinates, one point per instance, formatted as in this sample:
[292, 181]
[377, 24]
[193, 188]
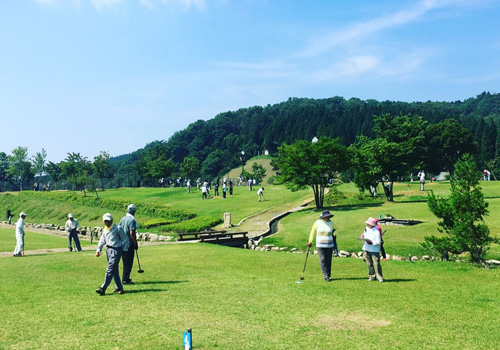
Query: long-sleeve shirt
[71, 224]
[113, 237]
[323, 230]
[374, 236]
[20, 227]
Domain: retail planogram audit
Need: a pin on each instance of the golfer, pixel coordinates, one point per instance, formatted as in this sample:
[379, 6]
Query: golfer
[129, 225]
[20, 235]
[260, 193]
[323, 229]
[115, 240]
[371, 250]
[72, 226]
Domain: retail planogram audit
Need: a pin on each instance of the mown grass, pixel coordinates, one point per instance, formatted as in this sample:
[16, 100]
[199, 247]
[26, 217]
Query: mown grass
[351, 213]
[241, 299]
[33, 241]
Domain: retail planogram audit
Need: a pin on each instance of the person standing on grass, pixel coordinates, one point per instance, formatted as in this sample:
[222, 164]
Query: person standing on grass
[323, 229]
[20, 235]
[116, 241]
[382, 250]
[371, 250]
[260, 194]
[129, 225]
[204, 191]
[230, 187]
[72, 226]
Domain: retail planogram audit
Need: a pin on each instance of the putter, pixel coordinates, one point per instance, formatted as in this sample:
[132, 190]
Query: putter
[139, 263]
[304, 269]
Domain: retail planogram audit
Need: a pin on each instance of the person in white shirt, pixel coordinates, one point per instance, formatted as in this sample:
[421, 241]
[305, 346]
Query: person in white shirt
[72, 226]
[260, 193]
[20, 235]
[371, 250]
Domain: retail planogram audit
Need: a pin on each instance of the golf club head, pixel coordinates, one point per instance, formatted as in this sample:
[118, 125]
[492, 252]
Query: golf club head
[301, 278]
[140, 271]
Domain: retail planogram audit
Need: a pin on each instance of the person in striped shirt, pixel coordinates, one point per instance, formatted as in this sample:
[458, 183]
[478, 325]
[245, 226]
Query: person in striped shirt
[323, 230]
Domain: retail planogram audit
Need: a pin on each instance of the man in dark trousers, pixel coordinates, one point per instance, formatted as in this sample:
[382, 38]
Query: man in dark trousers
[129, 225]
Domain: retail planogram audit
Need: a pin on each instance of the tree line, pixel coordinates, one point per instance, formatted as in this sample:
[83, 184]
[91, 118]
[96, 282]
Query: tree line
[210, 148]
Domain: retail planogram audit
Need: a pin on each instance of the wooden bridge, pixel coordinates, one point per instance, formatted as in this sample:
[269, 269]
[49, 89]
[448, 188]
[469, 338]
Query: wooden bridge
[231, 239]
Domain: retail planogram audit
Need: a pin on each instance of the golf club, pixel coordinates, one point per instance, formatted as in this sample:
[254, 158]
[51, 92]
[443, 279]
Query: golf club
[304, 269]
[139, 263]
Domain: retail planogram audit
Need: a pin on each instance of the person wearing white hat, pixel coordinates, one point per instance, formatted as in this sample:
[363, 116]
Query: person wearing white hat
[20, 235]
[371, 250]
[116, 241]
[129, 225]
[72, 226]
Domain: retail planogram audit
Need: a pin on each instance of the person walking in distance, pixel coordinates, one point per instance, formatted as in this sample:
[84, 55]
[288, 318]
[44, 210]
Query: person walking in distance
[323, 230]
[129, 224]
[371, 250]
[20, 235]
[116, 241]
[72, 226]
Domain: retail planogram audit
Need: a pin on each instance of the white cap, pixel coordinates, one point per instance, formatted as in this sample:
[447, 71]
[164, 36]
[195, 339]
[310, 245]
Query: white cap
[23, 214]
[131, 208]
[70, 216]
[107, 217]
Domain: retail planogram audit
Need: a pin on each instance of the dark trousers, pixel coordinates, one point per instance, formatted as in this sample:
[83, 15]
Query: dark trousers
[74, 235]
[128, 262]
[325, 261]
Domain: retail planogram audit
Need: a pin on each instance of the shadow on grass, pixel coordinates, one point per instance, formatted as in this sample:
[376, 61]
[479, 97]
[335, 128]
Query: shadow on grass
[160, 282]
[366, 279]
[129, 291]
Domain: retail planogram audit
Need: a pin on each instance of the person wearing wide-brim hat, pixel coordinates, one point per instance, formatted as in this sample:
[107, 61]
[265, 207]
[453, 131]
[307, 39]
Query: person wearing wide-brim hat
[20, 235]
[323, 229]
[371, 250]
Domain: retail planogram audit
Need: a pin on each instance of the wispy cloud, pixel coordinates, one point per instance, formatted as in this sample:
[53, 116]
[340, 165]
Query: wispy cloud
[100, 4]
[200, 5]
[363, 30]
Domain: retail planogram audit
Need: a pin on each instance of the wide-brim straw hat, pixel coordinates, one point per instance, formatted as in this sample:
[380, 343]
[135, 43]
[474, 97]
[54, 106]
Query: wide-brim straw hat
[326, 214]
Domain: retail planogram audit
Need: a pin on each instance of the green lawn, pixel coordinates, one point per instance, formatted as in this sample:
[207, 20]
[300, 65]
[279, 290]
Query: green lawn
[241, 299]
[34, 241]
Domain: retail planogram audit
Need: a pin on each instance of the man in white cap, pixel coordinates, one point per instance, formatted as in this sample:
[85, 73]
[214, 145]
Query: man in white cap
[116, 241]
[20, 235]
[72, 226]
[129, 225]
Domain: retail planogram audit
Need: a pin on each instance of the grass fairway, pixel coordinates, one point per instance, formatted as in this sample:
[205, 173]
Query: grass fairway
[241, 299]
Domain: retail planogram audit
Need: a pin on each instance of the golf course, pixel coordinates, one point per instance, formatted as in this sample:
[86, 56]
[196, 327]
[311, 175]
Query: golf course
[235, 298]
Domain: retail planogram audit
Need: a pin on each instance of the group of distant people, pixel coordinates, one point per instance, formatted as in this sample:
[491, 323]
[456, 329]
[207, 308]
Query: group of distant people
[38, 186]
[324, 230]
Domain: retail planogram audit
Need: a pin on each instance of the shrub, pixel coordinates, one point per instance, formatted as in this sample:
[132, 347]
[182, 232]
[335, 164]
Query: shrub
[192, 225]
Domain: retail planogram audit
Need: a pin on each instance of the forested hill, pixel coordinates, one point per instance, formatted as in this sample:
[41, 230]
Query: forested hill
[218, 142]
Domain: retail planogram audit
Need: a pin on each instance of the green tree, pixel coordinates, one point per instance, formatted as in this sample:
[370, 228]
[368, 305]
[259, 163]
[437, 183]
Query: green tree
[316, 164]
[190, 167]
[102, 167]
[20, 166]
[398, 148]
[446, 142]
[54, 171]
[77, 170]
[4, 166]
[39, 163]
[462, 215]
[258, 172]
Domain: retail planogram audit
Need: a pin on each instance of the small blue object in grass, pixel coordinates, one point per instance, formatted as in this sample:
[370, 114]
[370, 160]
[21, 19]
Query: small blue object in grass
[187, 339]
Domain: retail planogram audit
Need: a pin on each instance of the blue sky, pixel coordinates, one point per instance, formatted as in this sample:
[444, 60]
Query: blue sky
[112, 75]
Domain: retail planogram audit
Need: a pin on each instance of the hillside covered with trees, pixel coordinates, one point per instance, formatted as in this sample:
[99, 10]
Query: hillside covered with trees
[210, 148]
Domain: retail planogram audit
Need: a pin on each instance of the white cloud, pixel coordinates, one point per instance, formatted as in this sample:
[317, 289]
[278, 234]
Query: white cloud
[187, 4]
[99, 4]
[363, 30]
